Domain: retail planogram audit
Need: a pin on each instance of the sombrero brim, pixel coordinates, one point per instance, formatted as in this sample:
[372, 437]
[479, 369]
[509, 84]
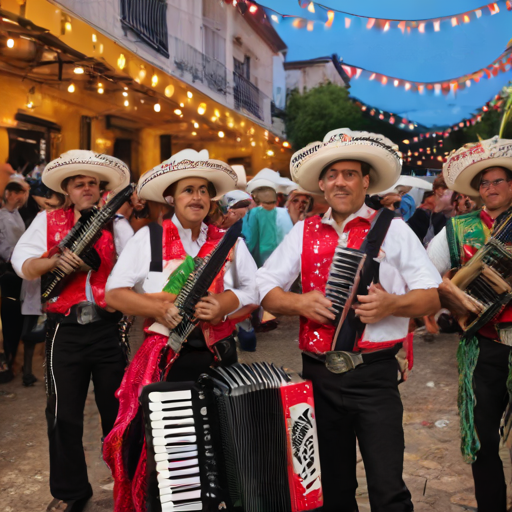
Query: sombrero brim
[384, 174]
[116, 177]
[462, 183]
[153, 184]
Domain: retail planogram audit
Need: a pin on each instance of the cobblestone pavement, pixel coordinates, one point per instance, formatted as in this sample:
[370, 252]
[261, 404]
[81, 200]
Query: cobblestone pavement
[434, 471]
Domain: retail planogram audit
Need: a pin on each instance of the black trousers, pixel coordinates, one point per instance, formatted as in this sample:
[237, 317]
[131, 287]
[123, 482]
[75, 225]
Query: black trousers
[12, 320]
[365, 404]
[489, 384]
[79, 353]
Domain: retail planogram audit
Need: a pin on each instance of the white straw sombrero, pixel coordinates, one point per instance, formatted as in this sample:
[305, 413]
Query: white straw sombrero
[378, 151]
[87, 163]
[187, 163]
[464, 164]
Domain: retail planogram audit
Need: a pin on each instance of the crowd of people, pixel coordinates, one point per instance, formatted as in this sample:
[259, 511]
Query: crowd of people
[346, 197]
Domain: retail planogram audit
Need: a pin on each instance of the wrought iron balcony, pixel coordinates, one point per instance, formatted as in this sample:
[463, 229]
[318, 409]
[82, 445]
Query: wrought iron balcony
[148, 19]
[201, 67]
[247, 96]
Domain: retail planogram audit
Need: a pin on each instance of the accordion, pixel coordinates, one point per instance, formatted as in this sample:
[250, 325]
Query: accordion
[341, 289]
[487, 276]
[243, 438]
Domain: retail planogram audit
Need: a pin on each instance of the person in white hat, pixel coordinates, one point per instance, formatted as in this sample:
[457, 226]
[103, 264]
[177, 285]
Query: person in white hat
[82, 335]
[267, 224]
[354, 375]
[190, 180]
[483, 169]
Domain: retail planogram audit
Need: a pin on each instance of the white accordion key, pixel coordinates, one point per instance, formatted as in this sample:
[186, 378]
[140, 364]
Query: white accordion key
[162, 441]
[176, 449]
[183, 507]
[180, 413]
[170, 396]
[164, 477]
[164, 466]
[164, 432]
[159, 457]
[160, 413]
[170, 422]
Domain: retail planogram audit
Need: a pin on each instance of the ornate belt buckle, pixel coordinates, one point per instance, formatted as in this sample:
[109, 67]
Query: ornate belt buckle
[85, 313]
[338, 362]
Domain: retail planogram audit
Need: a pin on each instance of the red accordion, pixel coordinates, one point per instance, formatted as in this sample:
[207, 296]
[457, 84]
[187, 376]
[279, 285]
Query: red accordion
[242, 438]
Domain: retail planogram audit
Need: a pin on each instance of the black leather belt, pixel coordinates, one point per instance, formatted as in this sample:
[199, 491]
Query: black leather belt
[86, 313]
[341, 362]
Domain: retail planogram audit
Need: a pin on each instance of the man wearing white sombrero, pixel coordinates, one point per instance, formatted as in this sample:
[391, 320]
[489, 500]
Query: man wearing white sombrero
[354, 375]
[83, 336]
[483, 169]
[190, 180]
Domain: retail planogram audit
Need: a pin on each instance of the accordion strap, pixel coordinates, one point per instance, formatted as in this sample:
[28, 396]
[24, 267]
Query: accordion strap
[156, 233]
[369, 273]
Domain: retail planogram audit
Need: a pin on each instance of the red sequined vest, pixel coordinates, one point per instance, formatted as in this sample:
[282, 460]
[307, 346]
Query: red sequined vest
[319, 242]
[173, 249]
[58, 224]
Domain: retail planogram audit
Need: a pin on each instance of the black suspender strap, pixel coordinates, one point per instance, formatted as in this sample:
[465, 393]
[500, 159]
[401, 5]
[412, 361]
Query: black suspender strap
[156, 233]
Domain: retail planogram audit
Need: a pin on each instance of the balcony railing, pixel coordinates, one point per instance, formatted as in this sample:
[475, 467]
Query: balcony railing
[147, 18]
[248, 98]
[201, 67]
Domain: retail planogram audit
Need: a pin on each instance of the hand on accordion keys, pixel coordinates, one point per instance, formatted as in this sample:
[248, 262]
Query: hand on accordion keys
[69, 262]
[315, 306]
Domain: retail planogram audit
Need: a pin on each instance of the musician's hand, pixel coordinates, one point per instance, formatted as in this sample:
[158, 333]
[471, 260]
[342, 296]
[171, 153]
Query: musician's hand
[69, 262]
[315, 306]
[460, 304]
[375, 306]
[169, 316]
[208, 309]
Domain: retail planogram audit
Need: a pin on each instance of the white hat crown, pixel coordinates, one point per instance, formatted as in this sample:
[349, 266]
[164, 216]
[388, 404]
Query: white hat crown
[344, 144]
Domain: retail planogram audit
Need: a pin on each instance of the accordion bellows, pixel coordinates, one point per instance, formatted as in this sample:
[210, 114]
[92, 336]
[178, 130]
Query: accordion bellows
[243, 439]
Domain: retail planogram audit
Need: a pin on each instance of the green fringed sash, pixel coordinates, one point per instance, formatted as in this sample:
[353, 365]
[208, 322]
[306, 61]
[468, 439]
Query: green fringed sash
[467, 357]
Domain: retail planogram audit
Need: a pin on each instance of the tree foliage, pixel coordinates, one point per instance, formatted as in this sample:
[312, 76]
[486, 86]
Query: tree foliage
[309, 116]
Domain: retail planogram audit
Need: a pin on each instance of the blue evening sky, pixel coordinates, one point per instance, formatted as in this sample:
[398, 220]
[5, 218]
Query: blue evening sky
[429, 57]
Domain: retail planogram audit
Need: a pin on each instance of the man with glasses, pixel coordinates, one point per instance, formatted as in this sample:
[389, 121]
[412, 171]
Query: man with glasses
[483, 169]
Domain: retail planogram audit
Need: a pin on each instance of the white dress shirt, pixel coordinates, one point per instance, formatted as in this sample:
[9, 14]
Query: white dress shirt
[404, 266]
[439, 252]
[122, 232]
[132, 267]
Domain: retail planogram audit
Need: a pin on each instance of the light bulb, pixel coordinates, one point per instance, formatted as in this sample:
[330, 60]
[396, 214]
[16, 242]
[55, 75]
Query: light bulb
[189, 95]
[157, 107]
[79, 70]
[201, 109]
[71, 88]
[177, 112]
[126, 103]
[221, 135]
[10, 43]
